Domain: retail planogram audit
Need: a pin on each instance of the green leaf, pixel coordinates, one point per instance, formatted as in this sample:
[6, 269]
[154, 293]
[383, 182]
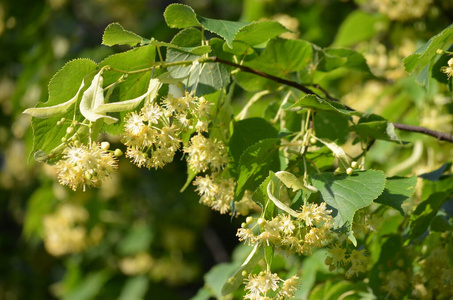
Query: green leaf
[137, 240]
[281, 57]
[259, 32]
[397, 190]
[64, 85]
[426, 54]
[39, 204]
[226, 29]
[331, 125]
[348, 193]
[237, 279]
[180, 16]
[436, 174]
[91, 285]
[183, 16]
[255, 164]
[358, 26]
[135, 288]
[290, 180]
[425, 212]
[115, 34]
[316, 103]
[334, 58]
[375, 127]
[133, 85]
[440, 224]
[205, 78]
[248, 132]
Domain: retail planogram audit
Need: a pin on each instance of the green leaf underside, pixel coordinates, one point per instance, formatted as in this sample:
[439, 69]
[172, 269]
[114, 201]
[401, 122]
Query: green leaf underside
[63, 86]
[206, 78]
[396, 191]
[316, 103]
[115, 34]
[349, 193]
[255, 164]
[248, 132]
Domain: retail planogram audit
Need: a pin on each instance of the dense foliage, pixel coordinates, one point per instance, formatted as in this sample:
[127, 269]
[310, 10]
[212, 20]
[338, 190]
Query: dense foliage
[328, 150]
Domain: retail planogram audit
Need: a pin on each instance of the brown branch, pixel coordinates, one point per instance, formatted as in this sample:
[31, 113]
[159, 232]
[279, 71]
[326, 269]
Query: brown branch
[442, 136]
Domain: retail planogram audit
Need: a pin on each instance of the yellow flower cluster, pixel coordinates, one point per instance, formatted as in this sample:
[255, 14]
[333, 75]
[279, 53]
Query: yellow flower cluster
[152, 136]
[355, 261]
[204, 153]
[402, 10]
[311, 230]
[216, 191]
[172, 269]
[258, 286]
[85, 165]
[65, 232]
[395, 282]
[437, 273]
[448, 69]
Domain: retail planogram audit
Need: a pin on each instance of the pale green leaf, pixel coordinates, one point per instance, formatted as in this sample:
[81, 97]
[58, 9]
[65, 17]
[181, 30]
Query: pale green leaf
[55, 110]
[115, 34]
[348, 193]
[126, 105]
[337, 150]
[92, 98]
[237, 279]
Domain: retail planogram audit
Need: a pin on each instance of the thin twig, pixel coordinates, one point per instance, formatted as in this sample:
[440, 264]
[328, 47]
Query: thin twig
[442, 136]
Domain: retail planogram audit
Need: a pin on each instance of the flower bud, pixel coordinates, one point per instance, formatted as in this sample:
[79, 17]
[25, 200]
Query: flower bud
[118, 152]
[349, 171]
[105, 145]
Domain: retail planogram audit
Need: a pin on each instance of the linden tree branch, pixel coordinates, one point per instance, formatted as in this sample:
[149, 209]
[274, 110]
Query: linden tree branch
[442, 136]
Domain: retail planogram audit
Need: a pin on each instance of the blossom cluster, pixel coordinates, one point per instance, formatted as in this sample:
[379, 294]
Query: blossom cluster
[65, 231]
[84, 166]
[311, 230]
[448, 70]
[402, 10]
[258, 286]
[153, 135]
